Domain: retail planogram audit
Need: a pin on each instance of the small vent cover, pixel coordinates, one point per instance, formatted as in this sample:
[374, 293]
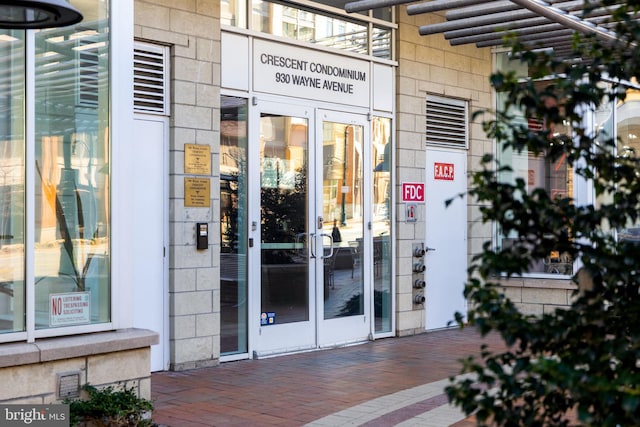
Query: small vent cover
[150, 76]
[447, 122]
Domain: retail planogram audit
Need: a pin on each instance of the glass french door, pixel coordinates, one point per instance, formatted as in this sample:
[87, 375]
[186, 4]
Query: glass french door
[307, 234]
[344, 295]
[281, 206]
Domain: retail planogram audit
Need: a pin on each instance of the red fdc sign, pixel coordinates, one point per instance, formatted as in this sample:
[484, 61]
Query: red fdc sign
[413, 192]
[443, 171]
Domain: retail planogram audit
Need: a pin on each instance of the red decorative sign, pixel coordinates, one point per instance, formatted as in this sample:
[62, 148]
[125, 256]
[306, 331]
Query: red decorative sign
[413, 192]
[443, 171]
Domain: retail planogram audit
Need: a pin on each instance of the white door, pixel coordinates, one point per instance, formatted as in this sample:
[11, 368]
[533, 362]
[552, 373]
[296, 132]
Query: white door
[446, 236]
[281, 231]
[344, 272]
[149, 212]
[306, 228]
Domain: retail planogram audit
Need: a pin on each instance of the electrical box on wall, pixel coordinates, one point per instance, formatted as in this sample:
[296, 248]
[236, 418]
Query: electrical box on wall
[202, 235]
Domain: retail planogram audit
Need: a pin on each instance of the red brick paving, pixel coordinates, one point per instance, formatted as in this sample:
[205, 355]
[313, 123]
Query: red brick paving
[293, 390]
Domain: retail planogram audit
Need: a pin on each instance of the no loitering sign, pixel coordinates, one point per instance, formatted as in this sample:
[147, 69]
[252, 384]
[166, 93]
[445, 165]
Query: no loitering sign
[69, 308]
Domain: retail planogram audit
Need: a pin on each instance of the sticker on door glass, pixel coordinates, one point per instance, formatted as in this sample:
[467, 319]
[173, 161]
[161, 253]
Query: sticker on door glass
[267, 318]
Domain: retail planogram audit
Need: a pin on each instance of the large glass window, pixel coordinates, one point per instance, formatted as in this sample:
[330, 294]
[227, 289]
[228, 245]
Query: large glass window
[617, 121]
[381, 197]
[620, 121]
[537, 171]
[366, 35]
[70, 197]
[233, 225]
[12, 181]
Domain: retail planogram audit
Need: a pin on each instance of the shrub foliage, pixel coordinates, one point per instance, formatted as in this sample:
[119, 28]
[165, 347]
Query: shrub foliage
[581, 365]
[108, 407]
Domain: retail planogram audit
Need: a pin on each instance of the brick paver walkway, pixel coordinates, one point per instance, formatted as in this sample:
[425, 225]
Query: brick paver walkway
[388, 382]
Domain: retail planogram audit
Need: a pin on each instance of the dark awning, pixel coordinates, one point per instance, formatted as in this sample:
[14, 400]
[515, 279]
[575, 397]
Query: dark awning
[538, 24]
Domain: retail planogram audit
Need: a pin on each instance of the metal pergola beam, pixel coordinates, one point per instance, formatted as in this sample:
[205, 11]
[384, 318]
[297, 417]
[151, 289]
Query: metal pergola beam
[494, 20]
[570, 21]
[550, 23]
[440, 5]
[492, 40]
[362, 5]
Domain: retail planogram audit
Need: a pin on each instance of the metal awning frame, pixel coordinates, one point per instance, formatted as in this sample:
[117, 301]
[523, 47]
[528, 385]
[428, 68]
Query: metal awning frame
[543, 24]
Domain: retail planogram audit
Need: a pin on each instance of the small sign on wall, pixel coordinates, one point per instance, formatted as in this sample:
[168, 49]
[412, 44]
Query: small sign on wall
[197, 192]
[71, 308]
[197, 159]
[413, 192]
[443, 171]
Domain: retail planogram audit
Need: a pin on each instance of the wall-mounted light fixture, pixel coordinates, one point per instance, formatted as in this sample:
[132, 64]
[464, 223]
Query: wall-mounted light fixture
[35, 14]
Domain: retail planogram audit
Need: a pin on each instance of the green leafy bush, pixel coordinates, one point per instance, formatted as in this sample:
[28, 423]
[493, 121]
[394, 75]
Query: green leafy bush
[578, 365]
[108, 407]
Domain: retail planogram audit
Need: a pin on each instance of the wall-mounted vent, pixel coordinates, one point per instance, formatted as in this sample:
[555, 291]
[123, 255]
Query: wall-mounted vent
[150, 79]
[68, 385]
[447, 122]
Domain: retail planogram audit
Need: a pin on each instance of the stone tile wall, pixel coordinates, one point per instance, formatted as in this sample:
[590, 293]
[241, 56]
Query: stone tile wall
[119, 358]
[430, 65]
[192, 30]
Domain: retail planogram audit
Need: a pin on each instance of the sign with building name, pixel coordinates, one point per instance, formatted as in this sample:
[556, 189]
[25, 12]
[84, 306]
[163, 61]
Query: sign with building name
[443, 171]
[71, 308]
[197, 159]
[197, 192]
[305, 73]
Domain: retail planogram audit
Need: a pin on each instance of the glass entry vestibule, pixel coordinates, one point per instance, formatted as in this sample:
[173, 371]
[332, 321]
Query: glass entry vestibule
[317, 242]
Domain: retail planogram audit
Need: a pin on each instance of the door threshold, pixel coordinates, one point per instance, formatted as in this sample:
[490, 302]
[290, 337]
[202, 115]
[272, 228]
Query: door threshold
[284, 352]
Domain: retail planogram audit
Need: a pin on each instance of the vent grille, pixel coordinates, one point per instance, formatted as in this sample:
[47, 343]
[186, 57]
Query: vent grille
[447, 122]
[150, 75]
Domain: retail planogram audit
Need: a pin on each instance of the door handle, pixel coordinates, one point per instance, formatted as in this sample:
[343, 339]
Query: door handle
[323, 235]
[312, 245]
[427, 249]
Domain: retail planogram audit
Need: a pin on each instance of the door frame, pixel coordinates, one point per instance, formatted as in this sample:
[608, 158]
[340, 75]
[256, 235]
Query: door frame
[444, 297]
[269, 340]
[357, 328]
[277, 338]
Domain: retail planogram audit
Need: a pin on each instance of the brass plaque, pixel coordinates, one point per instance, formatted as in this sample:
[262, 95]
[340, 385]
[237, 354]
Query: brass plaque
[197, 159]
[197, 192]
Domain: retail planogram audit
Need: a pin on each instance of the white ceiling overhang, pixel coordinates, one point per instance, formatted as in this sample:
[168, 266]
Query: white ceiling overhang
[536, 23]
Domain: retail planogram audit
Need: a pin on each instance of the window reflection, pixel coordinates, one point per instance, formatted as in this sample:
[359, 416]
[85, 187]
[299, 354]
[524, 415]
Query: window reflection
[381, 195]
[12, 177]
[627, 132]
[342, 208]
[305, 24]
[284, 218]
[233, 225]
[71, 239]
[537, 171]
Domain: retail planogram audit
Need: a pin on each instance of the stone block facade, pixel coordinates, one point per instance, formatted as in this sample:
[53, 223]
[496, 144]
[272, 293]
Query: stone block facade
[119, 358]
[539, 296]
[192, 31]
[431, 66]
